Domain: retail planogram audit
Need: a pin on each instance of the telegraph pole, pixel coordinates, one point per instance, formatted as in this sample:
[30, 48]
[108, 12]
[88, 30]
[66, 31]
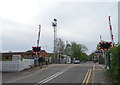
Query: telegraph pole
[54, 24]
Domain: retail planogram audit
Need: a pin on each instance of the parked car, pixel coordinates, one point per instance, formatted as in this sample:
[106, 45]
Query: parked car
[76, 61]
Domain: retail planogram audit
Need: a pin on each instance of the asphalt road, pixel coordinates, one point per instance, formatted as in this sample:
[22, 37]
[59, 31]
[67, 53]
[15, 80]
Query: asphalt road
[61, 73]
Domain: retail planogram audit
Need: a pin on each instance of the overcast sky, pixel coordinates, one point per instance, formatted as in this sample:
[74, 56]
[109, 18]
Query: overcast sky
[82, 22]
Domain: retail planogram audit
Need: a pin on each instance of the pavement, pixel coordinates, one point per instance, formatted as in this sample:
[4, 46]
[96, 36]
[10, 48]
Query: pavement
[98, 75]
[88, 73]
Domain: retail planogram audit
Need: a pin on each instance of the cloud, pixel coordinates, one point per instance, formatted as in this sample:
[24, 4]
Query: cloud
[21, 11]
[82, 22]
[16, 36]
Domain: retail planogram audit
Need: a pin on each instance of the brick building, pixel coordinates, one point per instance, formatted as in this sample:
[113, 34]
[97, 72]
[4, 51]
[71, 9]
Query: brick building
[28, 54]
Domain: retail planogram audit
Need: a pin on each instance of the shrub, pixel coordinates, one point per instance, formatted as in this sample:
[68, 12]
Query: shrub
[115, 64]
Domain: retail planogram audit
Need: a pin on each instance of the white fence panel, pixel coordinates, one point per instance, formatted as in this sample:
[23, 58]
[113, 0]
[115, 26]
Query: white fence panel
[16, 65]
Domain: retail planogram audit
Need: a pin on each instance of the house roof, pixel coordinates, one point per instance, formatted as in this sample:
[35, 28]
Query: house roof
[22, 53]
[12, 53]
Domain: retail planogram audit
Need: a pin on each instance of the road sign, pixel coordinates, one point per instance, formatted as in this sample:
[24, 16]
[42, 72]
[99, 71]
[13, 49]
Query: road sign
[105, 45]
[36, 49]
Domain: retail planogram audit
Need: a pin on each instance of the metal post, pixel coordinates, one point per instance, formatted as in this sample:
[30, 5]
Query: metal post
[99, 59]
[108, 54]
[104, 55]
[58, 48]
[66, 51]
[36, 58]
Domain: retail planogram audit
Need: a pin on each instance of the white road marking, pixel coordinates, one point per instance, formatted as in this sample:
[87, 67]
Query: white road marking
[54, 75]
[102, 66]
[26, 76]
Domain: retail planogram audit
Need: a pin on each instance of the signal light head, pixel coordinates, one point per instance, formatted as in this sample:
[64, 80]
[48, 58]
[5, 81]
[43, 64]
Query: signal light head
[104, 45]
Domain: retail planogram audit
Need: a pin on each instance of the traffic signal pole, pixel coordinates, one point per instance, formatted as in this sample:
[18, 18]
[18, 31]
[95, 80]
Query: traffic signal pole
[108, 55]
[104, 54]
[105, 46]
[102, 51]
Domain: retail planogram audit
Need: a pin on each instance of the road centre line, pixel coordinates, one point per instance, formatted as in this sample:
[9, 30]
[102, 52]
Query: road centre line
[88, 74]
[23, 77]
[26, 76]
[87, 77]
[53, 76]
[93, 74]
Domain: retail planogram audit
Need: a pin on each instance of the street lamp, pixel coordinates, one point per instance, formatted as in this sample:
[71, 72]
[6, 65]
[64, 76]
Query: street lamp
[54, 24]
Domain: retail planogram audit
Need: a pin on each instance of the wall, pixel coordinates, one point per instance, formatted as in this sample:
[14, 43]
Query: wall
[11, 66]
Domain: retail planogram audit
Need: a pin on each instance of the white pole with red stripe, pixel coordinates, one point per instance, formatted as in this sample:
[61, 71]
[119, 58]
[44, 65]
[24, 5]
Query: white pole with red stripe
[112, 36]
[38, 35]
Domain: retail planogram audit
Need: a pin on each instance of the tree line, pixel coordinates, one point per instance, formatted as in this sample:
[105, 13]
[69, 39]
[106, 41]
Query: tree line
[77, 51]
[73, 49]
